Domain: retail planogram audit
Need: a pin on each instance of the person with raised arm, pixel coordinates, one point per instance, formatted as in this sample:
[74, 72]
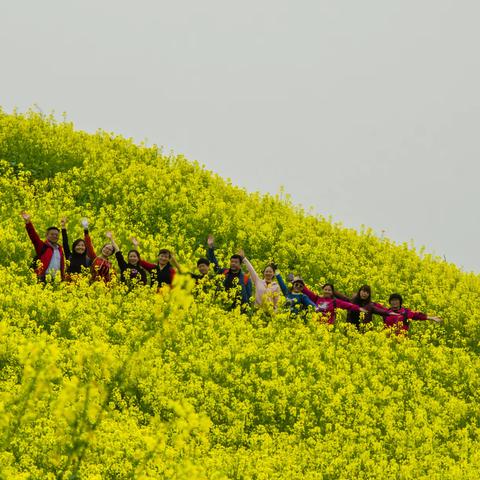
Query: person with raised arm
[327, 303]
[233, 276]
[162, 272]
[363, 298]
[77, 258]
[49, 259]
[296, 299]
[131, 272]
[400, 317]
[267, 290]
[101, 264]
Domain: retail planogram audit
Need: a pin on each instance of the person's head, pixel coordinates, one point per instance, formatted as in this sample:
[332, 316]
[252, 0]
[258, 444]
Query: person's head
[297, 284]
[395, 301]
[133, 257]
[365, 293]
[53, 234]
[328, 290]
[268, 273]
[164, 256]
[107, 250]
[236, 263]
[79, 246]
[203, 266]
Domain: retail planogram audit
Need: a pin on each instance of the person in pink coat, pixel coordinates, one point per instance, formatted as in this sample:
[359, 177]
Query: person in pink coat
[400, 316]
[267, 290]
[327, 303]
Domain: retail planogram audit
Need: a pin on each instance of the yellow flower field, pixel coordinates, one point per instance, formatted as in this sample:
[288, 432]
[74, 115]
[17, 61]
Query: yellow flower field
[100, 382]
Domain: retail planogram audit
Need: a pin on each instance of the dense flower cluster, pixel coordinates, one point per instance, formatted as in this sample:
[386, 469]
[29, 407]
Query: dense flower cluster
[100, 382]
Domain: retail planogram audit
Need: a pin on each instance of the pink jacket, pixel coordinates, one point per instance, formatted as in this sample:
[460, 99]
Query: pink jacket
[402, 322]
[264, 292]
[327, 305]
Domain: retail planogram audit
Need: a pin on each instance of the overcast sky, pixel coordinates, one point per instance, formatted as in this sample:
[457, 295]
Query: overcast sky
[369, 111]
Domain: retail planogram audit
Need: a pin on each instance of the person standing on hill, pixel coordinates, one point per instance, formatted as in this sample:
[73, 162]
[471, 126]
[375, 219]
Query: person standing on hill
[296, 299]
[399, 317]
[233, 276]
[267, 290]
[162, 272]
[101, 264]
[77, 257]
[363, 298]
[49, 259]
[327, 303]
[131, 273]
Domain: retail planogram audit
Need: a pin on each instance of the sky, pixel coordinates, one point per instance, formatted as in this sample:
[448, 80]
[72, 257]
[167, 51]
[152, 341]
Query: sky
[367, 111]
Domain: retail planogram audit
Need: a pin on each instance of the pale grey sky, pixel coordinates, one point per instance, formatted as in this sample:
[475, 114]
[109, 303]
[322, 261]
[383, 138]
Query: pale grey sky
[368, 111]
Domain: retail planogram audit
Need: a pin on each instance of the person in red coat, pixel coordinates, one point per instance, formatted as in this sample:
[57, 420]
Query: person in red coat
[49, 254]
[399, 318]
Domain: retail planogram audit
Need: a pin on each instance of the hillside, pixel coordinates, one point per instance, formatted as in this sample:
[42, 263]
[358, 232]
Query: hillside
[99, 383]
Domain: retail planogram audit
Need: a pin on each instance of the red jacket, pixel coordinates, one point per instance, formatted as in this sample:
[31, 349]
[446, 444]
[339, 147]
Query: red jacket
[327, 305]
[100, 267]
[402, 322]
[44, 251]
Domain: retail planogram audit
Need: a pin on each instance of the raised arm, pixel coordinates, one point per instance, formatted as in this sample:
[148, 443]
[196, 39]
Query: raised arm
[341, 296]
[251, 270]
[88, 241]
[211, 254]
[311, 295]
[176, 265]
[348, 306]
[32, 233]
[307, 302]
[66, 246]
[122, 264]
[280, 281]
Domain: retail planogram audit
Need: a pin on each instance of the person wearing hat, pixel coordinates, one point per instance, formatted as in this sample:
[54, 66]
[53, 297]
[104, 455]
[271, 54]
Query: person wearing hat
[296, 300]
[400, 316]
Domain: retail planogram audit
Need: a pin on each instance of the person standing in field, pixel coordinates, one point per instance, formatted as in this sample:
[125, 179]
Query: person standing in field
[77, 258]
[363, 298]
[267, 290]
[327, 303]
[101, 265]
[399, 317]
[296, 299]
[131, 273]
[49, 259]
[162, 272]
[233, 276]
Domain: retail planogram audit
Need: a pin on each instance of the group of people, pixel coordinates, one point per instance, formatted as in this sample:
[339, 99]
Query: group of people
[53, 260]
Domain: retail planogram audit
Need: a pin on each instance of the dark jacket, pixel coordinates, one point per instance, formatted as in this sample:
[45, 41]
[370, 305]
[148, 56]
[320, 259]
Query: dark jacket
[76, 261]
[135, 272]
[160, 276]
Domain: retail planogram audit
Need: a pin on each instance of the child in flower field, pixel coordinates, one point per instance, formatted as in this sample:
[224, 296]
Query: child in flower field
[267, 290]
[363, 298]
[399, 317]
[130, 272]
[101, 264]
[50, 258]
[233, 275]
[77, 257]
[327, 303]
[162, 272]
[296, 299]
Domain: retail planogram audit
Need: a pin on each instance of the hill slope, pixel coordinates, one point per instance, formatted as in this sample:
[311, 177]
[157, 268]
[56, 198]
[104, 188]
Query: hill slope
[97, 383]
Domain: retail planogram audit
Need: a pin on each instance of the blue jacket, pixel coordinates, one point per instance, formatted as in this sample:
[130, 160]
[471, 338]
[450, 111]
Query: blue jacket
[297, 301]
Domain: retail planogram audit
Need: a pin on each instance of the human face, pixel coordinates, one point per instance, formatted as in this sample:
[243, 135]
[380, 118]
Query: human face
[297, 287]
[163, 259]
[133, 258]
[80, 247]
[327, 291]
[364, 294]
[395, 304]
[107, 250]
[268, 274]
[235, 264]
[52, 236]
[203, 268]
